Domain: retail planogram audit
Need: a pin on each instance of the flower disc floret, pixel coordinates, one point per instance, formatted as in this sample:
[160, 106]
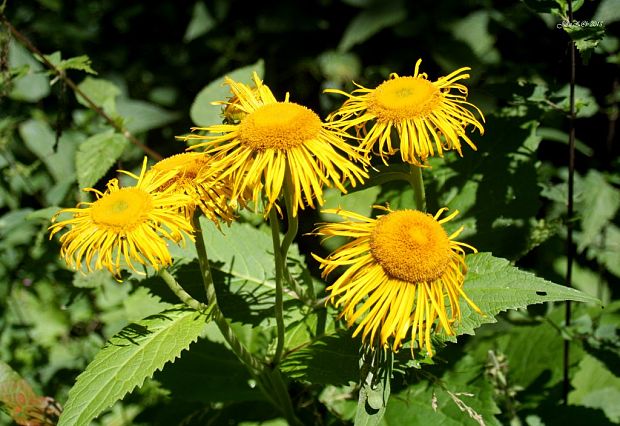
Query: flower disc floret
[404, 98]
[283, 125]
[411, 246]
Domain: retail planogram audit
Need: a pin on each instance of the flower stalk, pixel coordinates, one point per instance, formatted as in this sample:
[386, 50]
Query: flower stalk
[417, 183]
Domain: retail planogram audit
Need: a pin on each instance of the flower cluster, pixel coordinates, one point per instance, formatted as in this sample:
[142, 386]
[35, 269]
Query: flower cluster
[402, 274]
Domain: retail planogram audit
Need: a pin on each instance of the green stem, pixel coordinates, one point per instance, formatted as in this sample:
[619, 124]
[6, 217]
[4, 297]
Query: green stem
[291, 233]
[184, 296]
[280, 267]
[269, 381]
[417, 184]
[255, 366]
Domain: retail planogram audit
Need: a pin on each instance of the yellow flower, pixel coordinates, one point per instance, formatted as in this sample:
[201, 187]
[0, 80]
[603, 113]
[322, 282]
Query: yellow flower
[190, 173]
[402, 271]
[275, 142]
[124, 226]
[426, 115]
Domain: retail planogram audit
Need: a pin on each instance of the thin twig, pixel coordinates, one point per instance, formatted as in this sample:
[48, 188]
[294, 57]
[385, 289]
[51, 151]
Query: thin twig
[570, 250]
[61, 74]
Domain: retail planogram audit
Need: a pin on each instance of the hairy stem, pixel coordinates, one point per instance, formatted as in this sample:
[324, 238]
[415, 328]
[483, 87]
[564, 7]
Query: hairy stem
[291, 233]
[280, 266]
[417, 183]
[255, 366]
[184, 296]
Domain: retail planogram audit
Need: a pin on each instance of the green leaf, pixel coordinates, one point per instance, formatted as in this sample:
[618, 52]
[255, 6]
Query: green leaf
[220, 375]
[33, 85]
[369, 22]
[598, 205]
[141, 116]
[607, 249]
[375, 387]
[339, 67]
[92, 279]
[585, 102]
[332, 359]
[243, 268]
[596, 387]
[462, 396]
[96, 155]
[474, 30]
[586, 38]
[204, 114]
[202, 22]
[496, 286]
[102, 92]
[608, 12]
[81, 63]
[132, 355]
[40, 139]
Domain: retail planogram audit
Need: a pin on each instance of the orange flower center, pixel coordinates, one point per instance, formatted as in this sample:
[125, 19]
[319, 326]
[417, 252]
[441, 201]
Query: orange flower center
[281, 125]
[404, 98]
[122, 210]
[410, 246]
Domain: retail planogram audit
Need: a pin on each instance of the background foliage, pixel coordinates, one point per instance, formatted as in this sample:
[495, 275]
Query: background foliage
[153, 67]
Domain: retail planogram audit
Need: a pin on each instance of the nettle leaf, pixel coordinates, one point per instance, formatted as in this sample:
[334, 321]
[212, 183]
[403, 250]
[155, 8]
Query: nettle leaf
[96, 155]
[496, 286]
[202, 112]
[129, 357]
[80, 63]
[501, 194]
[462, 392]
[242, 264]
[220, 375]
[369, 22]
[332, 359]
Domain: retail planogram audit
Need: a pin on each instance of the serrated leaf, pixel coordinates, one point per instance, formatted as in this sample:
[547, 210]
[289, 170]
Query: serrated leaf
[241, 258]
[221, 375]
[80, 63]
[426, 402]
[96, 155]
[202, 112]
[369, 22]
[130, 356]
[496, 286]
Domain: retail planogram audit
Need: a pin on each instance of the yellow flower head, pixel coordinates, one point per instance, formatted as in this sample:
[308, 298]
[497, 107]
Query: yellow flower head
[275, 142]
[190, 173]
[124, 225]
[403, 272]
[426, 115]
